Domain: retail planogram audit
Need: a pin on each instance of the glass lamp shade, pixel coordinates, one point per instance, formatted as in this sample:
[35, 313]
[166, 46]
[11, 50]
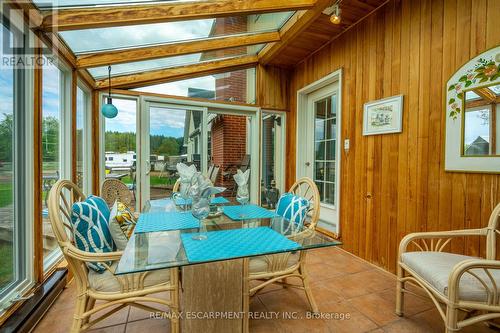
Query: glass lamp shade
[108, 110]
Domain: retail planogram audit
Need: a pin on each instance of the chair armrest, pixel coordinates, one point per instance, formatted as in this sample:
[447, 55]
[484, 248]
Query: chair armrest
[442, 239]
[92, 257]
[465, 267]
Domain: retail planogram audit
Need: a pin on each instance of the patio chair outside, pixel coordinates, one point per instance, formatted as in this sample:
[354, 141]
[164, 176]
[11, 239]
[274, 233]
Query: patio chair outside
[117, 291]
[114, 189]
[452, 280]
[277, 268]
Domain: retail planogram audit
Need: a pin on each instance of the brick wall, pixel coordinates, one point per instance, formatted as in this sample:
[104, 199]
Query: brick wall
[229, 132]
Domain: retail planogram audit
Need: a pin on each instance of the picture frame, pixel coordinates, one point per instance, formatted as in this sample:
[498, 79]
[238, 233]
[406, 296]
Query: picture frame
[383, 116]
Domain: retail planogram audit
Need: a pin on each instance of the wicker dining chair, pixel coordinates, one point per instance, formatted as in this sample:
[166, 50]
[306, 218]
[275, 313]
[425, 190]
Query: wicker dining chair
[276, 268]
[453, 282]
[117, 291]
[114, 189]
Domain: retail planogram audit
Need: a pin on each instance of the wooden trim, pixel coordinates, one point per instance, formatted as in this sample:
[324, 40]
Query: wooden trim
[85, 76]
[37, 169]
[74, 153]
[31, 14]
[95, 142]
[109, 16]
[178, 73]
[106, 58]
[297, 24]
[58, 46]
[183, 98]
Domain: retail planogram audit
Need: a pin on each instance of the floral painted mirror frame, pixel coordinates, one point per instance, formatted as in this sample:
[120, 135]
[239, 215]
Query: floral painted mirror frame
[481, 71]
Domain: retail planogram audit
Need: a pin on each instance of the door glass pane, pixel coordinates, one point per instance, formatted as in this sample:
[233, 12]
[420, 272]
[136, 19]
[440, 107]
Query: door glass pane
[175, 135]
[325, 137]
[272, 159]
[120, 145]
[230, 149]
[51, 147]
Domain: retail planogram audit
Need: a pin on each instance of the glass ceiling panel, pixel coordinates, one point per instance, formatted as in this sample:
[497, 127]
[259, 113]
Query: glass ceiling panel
[92, 40]
[176, 61]
[43, 4]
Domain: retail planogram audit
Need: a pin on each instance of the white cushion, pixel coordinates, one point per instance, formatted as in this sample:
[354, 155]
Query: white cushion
[107, 282]
[436, 267]
[259, 264]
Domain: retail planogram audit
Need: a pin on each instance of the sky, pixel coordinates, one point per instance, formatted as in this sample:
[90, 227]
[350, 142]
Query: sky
[474, 127]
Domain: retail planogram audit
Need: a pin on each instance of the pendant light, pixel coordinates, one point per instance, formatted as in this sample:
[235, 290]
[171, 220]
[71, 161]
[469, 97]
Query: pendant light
[108, 110]
[335, 18]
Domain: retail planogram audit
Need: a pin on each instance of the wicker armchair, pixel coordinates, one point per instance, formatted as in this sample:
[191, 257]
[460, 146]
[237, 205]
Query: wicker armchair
[452, 281]
[114, 189]
[121, 290]
[276, 268]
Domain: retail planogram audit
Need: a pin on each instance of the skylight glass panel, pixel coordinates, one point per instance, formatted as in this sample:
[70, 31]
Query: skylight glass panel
[175, 61]
[92, 40]
[93, 3]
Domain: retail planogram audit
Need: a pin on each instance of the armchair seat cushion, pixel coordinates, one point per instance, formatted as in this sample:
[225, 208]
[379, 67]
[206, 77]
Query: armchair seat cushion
[436, 267]
[258, 265]
[108, 282]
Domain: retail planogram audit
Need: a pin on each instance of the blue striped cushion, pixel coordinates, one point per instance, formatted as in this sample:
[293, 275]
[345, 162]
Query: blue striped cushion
[91, 228]
[293, 208]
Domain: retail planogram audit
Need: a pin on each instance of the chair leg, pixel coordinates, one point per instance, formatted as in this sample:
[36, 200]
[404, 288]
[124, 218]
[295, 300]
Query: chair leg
[175, 308]
[451, 319]
[400, 286]
[80, 307]
[90, 306]
[307, 289]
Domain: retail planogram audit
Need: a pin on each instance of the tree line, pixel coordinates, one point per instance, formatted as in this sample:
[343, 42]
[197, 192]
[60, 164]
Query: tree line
[114, 141]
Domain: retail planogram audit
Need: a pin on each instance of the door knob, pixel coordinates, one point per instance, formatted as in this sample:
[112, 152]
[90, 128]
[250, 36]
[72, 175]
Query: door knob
[308, 164]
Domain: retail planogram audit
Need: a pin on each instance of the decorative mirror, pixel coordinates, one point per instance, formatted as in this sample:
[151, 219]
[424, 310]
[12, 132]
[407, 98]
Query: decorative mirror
[473, 115]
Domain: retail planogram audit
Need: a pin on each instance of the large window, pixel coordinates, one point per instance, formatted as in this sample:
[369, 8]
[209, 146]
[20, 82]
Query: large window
[56, 143]
[83, 140]
[236, 86]
[15, 170]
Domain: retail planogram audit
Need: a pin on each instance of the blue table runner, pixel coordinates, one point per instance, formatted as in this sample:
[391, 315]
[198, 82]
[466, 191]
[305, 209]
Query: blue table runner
[235, 243]
[247, 212]
[165, 221]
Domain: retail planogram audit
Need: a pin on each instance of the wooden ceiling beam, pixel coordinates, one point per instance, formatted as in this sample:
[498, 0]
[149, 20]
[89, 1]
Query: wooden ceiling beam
[295, 25]
[172, 49]
[177, 73]
[109, 16]
[486, 94]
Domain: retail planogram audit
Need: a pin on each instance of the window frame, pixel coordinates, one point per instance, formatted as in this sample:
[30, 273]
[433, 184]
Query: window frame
[23, 231]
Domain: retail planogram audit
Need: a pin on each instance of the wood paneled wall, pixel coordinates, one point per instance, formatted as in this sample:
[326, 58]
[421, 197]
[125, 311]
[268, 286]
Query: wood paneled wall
[273, 87]
[396, 184]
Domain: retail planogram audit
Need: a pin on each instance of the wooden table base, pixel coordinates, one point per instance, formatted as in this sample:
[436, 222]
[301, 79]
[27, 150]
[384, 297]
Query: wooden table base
[212, 297]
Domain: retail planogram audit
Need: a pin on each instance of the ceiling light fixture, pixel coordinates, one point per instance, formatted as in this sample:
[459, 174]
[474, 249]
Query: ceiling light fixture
[108, 110]
[335, 18]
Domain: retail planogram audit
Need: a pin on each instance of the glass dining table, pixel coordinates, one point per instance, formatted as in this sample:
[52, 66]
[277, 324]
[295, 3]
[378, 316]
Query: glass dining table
[164, 239]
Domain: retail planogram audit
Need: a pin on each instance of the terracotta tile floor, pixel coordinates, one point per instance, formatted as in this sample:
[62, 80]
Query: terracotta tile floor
[341, 283]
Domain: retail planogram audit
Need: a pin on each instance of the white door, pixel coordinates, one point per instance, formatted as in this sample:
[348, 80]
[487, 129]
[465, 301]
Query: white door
[319, 151]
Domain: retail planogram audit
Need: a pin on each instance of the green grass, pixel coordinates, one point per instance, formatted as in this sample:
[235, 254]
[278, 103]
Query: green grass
[6, 264]
[5, 194]
[154, 180]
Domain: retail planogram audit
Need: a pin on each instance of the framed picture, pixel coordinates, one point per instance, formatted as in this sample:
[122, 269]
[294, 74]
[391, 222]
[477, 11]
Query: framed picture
[383, 116]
